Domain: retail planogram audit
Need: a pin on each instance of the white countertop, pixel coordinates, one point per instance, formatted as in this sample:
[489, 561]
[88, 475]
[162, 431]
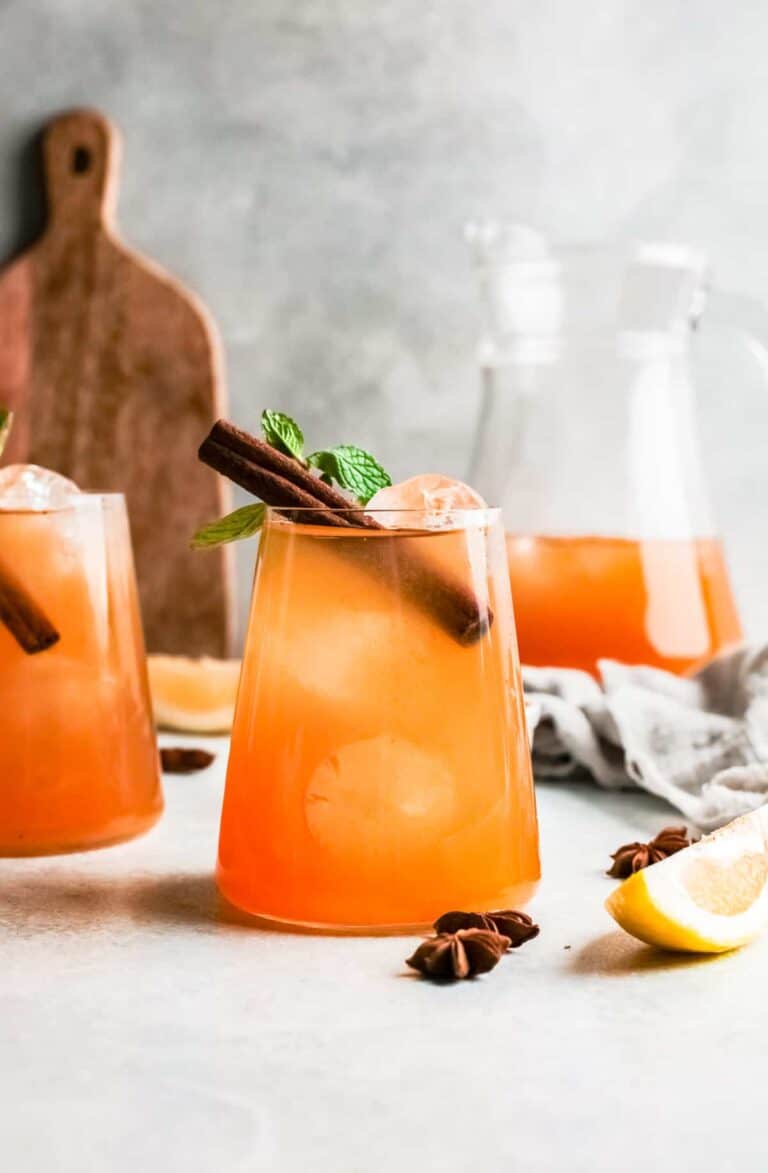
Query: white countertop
[144, 1028]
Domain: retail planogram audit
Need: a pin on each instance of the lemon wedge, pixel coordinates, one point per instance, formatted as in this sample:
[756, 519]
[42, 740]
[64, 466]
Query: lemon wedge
[708, 898]
[196, 695]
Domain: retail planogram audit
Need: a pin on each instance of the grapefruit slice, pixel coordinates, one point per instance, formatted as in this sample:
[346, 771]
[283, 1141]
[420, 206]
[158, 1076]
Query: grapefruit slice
[196, 695]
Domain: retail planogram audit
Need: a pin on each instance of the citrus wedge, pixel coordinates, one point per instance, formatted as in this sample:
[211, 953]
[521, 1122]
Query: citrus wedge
[197, 696]
[708, 898]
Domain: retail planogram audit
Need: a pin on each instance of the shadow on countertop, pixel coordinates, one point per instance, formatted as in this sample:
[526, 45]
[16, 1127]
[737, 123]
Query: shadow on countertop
[48, 902]
[616, 954]
[81, 903]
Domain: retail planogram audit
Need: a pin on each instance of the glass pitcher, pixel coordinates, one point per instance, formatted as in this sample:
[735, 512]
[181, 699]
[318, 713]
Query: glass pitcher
[587, 439]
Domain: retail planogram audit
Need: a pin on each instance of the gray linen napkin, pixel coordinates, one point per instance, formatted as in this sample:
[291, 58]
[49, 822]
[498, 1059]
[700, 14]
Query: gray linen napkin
[700, 742]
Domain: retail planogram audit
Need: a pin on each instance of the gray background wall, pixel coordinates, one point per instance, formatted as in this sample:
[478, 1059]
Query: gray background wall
[307, 166]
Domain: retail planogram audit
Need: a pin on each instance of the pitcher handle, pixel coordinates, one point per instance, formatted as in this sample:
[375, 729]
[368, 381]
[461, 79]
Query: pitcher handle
[744, 316]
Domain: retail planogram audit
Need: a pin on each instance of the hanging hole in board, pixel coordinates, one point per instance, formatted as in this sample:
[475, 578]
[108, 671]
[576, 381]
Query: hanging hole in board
[81, 160]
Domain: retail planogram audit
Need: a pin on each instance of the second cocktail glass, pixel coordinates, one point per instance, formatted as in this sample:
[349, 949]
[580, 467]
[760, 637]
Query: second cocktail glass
[379, 771]
[78, 756]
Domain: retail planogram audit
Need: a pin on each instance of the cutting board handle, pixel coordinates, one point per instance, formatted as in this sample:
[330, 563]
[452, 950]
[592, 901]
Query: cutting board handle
[81, 156]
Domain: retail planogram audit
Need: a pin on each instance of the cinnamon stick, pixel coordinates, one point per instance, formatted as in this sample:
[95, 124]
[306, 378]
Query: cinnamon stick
[254, 450]
[409, 573]
[27, 623]
[282, 482]
[269, 486]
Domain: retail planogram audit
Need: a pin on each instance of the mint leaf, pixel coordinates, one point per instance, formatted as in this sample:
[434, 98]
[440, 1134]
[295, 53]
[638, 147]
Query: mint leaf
[6, 422]
[283, 433]
[243, 523]
[352, 468]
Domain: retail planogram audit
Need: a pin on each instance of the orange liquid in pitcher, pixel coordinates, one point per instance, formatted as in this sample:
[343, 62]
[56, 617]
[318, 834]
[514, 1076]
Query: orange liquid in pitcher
[379, 771]
[78, 758]
[664, 603]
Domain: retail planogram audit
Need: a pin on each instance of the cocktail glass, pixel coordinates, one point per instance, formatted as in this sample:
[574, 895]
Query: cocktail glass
[78, 757]
[379, 772]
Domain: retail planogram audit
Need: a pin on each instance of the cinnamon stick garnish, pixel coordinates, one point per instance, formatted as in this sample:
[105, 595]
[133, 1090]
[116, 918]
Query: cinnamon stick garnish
[284, 483]
[26, 621]
[256, 451]
[268, 485]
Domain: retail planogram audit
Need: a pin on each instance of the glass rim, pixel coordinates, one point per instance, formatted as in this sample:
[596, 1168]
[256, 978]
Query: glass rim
[74, 502]
[474, 517]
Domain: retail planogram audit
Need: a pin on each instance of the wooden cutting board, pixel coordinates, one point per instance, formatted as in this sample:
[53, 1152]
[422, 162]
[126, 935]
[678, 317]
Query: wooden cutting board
[113, 370]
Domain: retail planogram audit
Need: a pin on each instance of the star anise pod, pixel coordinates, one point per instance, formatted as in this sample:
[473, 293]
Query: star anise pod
[517, 927]
[451, 922]
[632, 857]
[459, 955]
[183, 760]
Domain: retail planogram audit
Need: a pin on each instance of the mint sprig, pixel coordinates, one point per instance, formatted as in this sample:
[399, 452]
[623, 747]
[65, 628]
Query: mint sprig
[283, 433]
[350, 467]
[242, 523]
[6, 423]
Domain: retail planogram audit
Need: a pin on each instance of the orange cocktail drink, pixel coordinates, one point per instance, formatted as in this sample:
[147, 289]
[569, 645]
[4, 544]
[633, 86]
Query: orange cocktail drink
[379, 771]
[78, 760]
[667, 603]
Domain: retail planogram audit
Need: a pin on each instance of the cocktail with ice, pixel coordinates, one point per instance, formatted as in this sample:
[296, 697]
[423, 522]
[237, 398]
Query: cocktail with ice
[78, 758]
[379, 770]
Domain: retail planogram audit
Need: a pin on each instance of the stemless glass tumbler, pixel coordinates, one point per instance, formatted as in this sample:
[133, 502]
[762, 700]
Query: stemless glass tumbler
[78, 757]
[379, 771]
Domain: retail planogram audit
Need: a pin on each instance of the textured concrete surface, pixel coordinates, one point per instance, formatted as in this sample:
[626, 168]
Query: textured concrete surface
[307, 167]
[144, 1027]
